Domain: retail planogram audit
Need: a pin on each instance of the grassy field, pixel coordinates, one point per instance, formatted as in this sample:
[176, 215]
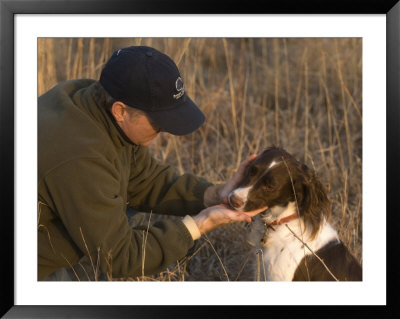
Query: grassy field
[302, 94]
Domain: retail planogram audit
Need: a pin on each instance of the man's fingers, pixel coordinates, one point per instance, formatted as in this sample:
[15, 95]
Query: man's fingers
[243, 166]
[247, 161]
[246, 218]
[251, 157]
[235, 180]
[256, 212]
[233, 215]
[239, 217]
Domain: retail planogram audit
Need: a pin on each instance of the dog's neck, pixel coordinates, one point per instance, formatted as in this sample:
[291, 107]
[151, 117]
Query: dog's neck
[284, 220]
[277, 213]
[259, 229]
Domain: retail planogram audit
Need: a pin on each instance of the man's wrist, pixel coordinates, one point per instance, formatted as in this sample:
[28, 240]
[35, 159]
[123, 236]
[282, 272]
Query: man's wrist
[192, 227]
[200, 220]
[212, 195]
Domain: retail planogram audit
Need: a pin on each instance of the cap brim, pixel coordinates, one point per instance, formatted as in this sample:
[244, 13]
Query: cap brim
[181, 120]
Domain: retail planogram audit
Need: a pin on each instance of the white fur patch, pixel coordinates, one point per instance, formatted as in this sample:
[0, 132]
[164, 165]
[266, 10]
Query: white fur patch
[272, 165]
[242, 193]
[279, 212]
[282, 251]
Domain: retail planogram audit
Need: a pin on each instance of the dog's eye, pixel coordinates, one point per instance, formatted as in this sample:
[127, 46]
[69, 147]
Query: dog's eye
[269, 187]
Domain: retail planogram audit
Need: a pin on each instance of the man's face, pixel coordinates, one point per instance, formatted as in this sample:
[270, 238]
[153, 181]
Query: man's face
[135, 124]
[138, 129]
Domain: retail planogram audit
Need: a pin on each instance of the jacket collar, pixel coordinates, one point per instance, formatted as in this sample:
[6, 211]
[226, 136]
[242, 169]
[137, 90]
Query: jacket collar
[106, 119]
[120, 131]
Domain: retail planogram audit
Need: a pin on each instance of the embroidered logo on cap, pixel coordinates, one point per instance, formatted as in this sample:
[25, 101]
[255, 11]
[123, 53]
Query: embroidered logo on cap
[179, 87]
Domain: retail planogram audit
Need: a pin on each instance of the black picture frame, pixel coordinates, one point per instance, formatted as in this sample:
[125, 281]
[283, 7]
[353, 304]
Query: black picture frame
[8, 10]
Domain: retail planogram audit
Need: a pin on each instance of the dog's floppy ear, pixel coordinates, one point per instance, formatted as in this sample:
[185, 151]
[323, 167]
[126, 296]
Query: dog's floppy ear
[312, 199]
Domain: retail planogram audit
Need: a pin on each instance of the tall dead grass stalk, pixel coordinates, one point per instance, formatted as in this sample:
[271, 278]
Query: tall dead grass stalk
[144, 242]
[216, 254]
[232, 94]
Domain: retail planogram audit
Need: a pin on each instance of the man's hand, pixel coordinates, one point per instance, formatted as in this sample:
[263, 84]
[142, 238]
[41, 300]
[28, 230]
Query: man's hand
[219, 215]
[218, 194]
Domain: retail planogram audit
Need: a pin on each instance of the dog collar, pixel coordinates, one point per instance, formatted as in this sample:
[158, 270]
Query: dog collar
[283, 220]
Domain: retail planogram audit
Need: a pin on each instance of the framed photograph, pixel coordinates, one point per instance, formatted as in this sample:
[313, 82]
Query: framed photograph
[288, 63]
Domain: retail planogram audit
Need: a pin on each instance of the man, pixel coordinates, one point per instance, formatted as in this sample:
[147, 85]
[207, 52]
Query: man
[94, 165]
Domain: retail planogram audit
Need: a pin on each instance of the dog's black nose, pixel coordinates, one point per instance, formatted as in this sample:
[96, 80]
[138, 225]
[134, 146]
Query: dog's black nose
[235, 201]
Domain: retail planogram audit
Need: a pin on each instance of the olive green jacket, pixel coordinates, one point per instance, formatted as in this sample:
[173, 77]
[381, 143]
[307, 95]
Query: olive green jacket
[88, 173]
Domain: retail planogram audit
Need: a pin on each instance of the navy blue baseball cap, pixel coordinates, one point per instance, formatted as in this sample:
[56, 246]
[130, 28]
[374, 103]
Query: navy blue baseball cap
[147, 79]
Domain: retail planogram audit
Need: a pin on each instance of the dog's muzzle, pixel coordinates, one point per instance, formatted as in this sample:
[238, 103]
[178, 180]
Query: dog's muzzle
[234, 201]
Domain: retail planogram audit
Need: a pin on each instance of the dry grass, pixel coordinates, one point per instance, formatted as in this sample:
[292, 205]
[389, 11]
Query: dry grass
[302, 94]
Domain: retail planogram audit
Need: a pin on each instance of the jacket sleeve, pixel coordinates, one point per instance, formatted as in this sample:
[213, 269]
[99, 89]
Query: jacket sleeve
[93, 214]
[157, 187]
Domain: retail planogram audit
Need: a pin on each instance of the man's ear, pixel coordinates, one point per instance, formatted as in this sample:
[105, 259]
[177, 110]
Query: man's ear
[118, 110]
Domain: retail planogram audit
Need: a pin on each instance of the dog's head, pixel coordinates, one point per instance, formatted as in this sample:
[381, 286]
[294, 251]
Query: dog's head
[275, 179]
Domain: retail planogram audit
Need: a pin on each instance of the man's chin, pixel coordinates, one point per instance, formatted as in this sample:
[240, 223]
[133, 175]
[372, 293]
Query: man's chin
[146, 143]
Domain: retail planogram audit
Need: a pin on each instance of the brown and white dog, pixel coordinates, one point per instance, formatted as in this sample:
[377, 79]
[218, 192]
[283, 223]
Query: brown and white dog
[298, 243]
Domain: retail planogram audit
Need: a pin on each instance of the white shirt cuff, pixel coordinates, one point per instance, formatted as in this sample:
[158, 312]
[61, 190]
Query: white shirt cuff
[192, 227]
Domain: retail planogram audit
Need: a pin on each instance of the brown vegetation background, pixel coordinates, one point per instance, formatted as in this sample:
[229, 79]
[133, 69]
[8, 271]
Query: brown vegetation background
[304, 94]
